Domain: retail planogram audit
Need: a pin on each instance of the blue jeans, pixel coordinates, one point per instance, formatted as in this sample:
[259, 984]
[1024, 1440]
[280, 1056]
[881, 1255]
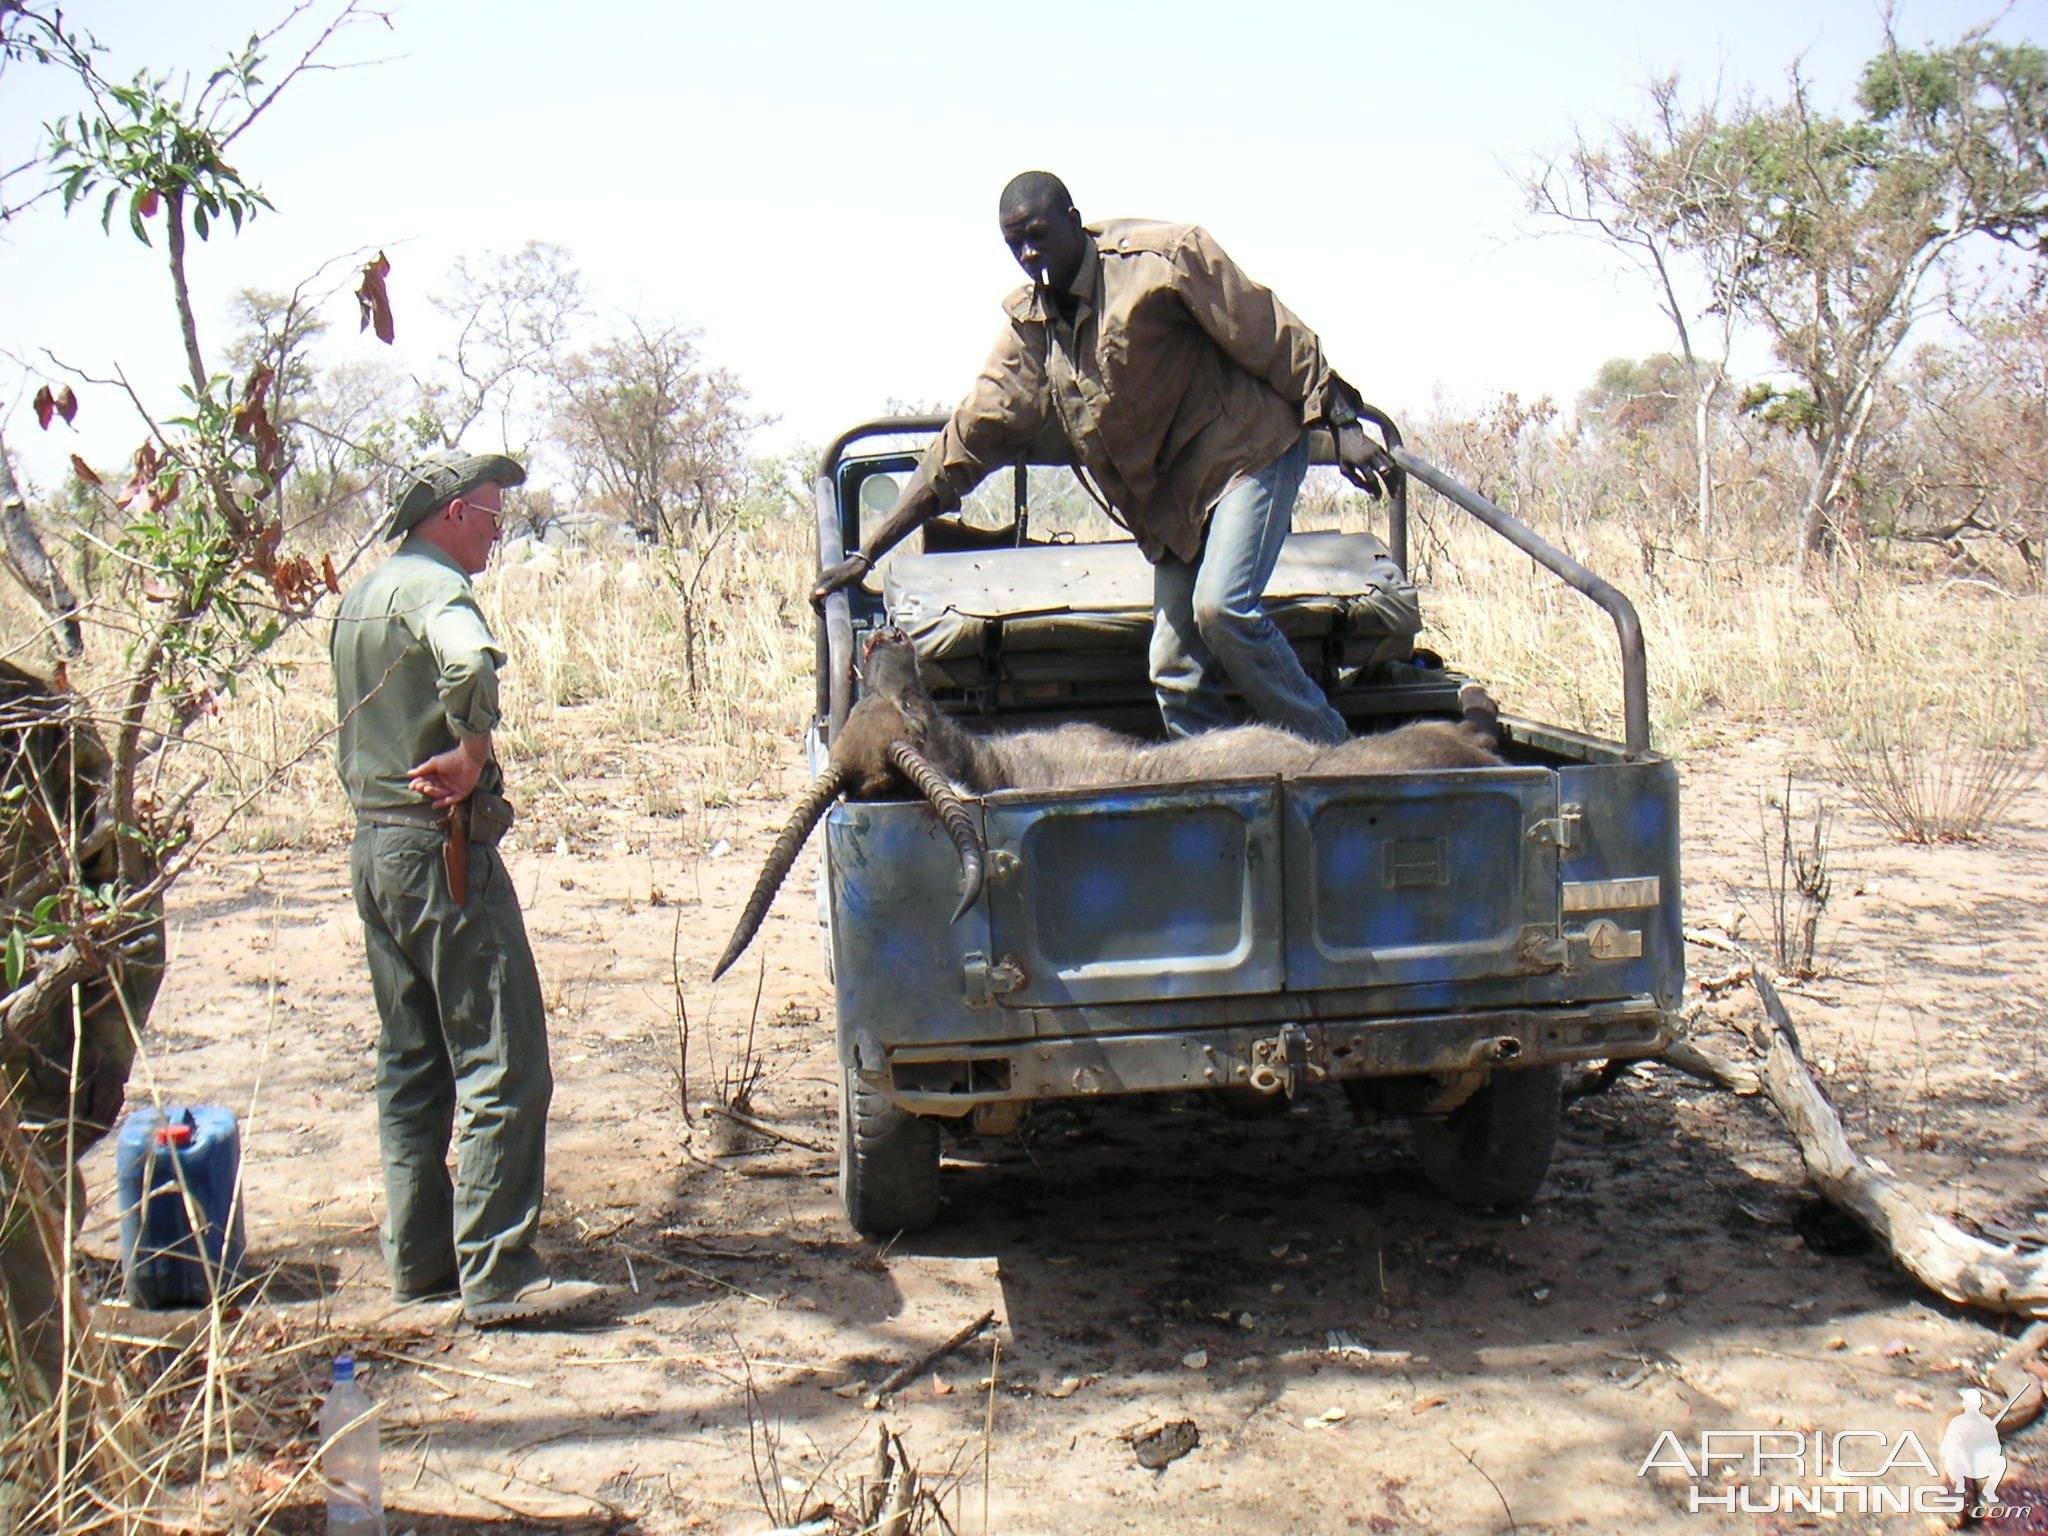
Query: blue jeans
[1208, 621]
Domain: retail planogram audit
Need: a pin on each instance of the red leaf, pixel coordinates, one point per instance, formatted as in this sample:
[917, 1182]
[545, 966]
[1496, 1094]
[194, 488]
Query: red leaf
[67, 404]
[46, 404]
[374, 300]
[84, 471]
[327, 575]
[262, 555]
[149, 201]
[252, 420]
[146, 466]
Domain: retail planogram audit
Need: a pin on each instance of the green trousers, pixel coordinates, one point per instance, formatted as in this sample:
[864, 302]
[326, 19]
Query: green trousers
[463, 1050]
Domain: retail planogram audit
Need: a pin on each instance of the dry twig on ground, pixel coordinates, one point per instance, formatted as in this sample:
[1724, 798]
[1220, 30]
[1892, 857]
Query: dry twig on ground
[918, 1366]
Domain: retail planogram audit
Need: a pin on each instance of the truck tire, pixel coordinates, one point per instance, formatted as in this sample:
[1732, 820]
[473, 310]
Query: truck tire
[888, 1162]
[1494, 1149]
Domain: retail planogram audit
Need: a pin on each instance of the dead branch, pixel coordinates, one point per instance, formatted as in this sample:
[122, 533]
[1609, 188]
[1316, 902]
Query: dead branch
[1934, 1250]
[32, 565]
[1712, 1067]
[924, 1362]
[902, 1495]
[766, 1128]
[2016, 1384]
[1708, 939]
[878, 1477]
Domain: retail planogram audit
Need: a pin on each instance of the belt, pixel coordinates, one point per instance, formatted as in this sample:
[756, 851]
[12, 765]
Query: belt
[424, 816]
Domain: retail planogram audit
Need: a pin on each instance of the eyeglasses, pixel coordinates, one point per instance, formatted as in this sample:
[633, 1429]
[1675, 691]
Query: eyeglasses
[495, 514]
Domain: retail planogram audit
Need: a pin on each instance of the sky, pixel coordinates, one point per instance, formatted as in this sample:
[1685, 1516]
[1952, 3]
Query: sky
[813, 185]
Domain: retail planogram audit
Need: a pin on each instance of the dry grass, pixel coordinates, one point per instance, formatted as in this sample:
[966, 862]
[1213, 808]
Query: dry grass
[1886, 658]
[1733, 648]
[596, 670]
[203, 1426]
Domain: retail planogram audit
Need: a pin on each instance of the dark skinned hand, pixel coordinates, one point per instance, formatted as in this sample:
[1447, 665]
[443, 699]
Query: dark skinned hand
[853, 568]
[1364, 462]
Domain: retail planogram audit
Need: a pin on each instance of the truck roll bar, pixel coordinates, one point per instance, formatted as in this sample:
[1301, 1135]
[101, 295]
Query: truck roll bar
[1635, 693]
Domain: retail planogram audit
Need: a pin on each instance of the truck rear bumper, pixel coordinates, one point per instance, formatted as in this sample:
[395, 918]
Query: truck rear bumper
[953, 1079]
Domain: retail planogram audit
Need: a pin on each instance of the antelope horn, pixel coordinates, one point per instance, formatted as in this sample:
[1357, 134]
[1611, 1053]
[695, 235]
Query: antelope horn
[959, 825]
[809, 810]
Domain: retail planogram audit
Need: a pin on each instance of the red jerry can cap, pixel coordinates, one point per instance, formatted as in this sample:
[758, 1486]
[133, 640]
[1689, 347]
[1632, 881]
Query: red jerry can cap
[178, 1132]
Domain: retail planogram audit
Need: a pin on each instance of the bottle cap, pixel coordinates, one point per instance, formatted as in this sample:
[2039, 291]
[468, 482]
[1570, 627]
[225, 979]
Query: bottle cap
[344, 1367]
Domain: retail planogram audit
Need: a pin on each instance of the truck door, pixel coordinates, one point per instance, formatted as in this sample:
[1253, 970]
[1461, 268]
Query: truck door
[1408, 879]
[1122, 895]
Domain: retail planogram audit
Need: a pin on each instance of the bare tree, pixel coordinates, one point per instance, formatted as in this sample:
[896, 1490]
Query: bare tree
[1631, 192]
[662, 437]
[515, 316]
[1971, 461]
[1833, 235]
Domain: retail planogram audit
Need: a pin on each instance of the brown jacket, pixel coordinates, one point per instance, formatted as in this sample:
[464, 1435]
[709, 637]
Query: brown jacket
[1177, 374]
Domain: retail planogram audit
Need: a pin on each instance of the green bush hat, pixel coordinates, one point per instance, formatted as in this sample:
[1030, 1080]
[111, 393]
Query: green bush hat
[437, 478]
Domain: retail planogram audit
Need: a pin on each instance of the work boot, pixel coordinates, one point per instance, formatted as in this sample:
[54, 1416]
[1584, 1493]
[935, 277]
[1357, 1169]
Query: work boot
[542, 1301]
[445, 1290]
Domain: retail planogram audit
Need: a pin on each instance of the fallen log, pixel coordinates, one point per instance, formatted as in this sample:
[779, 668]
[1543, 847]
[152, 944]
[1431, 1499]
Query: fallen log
[1935, 1251]
[1695, 1060]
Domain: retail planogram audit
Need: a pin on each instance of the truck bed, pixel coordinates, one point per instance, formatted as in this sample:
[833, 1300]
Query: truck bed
[1153, 926]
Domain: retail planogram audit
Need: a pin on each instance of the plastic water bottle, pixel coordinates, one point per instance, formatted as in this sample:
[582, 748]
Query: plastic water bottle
[348, 1427]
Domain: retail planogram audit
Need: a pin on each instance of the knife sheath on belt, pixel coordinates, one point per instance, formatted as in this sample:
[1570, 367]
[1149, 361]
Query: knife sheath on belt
[455, 850]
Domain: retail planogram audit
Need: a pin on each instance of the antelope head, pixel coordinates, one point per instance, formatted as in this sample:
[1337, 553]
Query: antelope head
[877, 753]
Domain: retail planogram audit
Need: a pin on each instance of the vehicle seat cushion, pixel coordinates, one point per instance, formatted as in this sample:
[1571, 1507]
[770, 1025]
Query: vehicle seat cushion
[1098, 597]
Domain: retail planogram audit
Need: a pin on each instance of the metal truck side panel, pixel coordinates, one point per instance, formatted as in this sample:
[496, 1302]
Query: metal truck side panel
[1621, 871]
[893, 878]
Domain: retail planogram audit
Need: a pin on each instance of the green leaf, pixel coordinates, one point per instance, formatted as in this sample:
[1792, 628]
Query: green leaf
[16, 958]
[199, 222]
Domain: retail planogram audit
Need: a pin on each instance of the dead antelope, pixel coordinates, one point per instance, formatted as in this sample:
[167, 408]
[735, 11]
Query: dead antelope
[897, 735]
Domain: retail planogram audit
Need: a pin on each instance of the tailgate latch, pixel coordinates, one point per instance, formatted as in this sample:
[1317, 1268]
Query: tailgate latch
[1561, 830]
[984, 982]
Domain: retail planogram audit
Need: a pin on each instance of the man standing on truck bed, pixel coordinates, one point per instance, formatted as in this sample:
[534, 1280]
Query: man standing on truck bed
[1186, 391]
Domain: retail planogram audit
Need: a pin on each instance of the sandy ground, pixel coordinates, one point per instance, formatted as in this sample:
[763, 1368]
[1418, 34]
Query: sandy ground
[1144, 1263]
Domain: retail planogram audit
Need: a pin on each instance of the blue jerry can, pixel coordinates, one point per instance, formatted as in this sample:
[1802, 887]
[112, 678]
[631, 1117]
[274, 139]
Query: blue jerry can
[162, 1159]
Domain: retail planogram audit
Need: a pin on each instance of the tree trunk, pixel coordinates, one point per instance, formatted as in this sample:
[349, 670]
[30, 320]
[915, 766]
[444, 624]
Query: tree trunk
[188, 328]
[33, 565]
[1813, 515]
[1703, 450]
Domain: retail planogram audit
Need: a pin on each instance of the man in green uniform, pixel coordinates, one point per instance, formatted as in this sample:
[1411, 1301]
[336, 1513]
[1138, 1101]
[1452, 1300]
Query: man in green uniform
[464, 1040]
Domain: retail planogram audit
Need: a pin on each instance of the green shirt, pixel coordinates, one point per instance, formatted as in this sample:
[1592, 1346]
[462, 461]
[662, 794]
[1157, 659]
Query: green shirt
[415, 669]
